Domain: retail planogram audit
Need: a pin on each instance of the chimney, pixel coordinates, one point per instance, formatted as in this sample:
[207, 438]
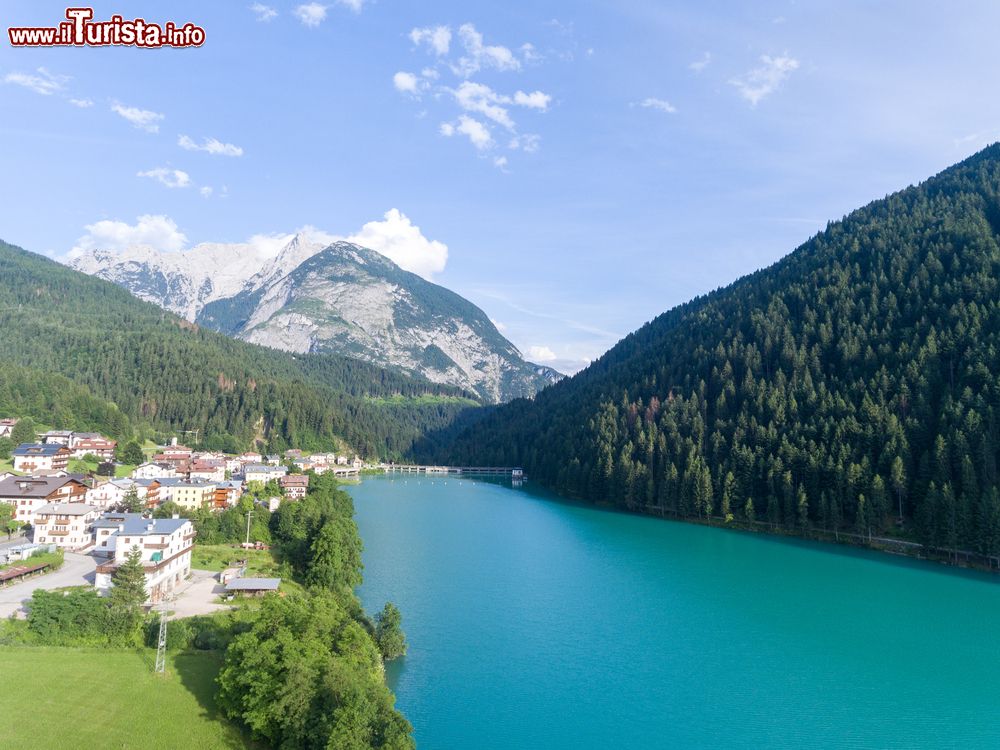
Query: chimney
[175, 516]
[150, 526]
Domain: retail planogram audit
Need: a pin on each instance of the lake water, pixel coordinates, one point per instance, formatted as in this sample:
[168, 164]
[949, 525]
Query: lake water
[535, 623]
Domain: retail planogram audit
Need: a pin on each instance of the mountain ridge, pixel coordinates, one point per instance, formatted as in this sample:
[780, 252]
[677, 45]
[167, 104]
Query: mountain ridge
[329, 297]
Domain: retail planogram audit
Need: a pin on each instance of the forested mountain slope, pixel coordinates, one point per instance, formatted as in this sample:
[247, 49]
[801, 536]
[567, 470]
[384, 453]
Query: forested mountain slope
[168, 374]
[858, 375]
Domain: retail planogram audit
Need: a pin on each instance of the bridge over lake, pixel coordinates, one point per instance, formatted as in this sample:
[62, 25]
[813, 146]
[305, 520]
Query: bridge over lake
[514, 472]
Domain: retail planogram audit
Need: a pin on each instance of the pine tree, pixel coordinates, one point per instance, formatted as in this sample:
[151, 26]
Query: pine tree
[802, 503]
[128, 594]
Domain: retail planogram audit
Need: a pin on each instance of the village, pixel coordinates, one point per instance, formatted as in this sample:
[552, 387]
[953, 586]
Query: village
[95, 519]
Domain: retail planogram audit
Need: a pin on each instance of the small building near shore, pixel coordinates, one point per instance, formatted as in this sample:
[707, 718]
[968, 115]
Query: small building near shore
[252, 586]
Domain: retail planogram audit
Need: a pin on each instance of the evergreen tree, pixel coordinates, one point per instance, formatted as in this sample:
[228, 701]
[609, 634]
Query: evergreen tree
[128, 594]
[389, 633]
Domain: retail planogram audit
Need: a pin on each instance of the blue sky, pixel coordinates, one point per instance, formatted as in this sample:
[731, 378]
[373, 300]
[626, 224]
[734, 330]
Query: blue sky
[587, 165]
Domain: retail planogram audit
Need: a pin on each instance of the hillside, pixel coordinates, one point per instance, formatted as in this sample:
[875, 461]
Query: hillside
[339, 298]
[856, 377]
[167, 374]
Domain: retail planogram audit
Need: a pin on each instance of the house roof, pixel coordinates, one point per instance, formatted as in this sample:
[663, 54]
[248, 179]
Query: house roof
[38, 449]
[65, 509]
[97, 440]
[253, 584]
[136, 524]
[33, 486]
[294, 480]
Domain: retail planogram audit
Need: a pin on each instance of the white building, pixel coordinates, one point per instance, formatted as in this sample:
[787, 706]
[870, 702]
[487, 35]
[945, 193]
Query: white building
[108, 494]
[28, 494]
[262, 473]
[164, 543]
[67, 525]
[151, 470]
[57, 437]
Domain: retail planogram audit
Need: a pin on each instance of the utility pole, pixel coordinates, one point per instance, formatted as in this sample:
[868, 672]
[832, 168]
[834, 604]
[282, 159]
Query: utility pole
[249, 513]
[161, 643]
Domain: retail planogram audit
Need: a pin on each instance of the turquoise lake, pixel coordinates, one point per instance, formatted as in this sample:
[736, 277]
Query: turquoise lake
[536, 623]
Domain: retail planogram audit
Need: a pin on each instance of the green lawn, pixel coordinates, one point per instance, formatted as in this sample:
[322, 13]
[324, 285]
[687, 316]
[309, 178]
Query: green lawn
[221, 556]
[55, 559]
[98, 698]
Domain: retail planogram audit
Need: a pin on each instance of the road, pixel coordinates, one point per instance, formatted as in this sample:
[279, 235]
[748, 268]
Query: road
[76, 570]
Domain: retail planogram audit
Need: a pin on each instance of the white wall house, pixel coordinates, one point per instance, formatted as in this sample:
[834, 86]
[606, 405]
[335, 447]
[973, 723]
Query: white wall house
[151, 470]
[28, 494]
[66, 525]
[108, 494]
[40, 457]
[262, 473]
[164, 543]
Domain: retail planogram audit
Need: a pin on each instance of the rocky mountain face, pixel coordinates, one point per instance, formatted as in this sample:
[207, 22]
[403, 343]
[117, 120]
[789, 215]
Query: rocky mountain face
[339, 298]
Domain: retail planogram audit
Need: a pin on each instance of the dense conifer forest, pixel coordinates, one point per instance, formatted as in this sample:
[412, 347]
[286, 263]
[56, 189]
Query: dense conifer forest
[81, 353]
[853, 382]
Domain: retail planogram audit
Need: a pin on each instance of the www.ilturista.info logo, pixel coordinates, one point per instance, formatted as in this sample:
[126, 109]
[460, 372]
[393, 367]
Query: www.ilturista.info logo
[80, 30]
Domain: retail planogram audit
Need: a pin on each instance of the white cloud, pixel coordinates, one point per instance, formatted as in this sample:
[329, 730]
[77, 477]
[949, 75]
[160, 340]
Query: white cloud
[171, 178]
[480, 98]
[541, 354]
[661, 105]
[355, 5]
[762, 81]
[44, 82]
[311, 14]
[528, 142]
[700, 64]
[499, 326]
[206, 191]
[82, 103]
[397, 238]
[529, 54]
[406, 83]
[264, 12]
[437, 38]
[209, 146]
[479, 55]
[477, 97]
[534, 100]
[500, 162]
[157, 231]
[477, 133]
[143, 119]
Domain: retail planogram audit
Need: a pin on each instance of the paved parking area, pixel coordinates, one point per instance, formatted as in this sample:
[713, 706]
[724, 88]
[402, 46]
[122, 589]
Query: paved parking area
[76, 570]
[197, 596]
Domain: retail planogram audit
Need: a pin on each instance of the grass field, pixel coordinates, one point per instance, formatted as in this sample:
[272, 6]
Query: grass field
[221, 556]
[94, 698]
[54, 559]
